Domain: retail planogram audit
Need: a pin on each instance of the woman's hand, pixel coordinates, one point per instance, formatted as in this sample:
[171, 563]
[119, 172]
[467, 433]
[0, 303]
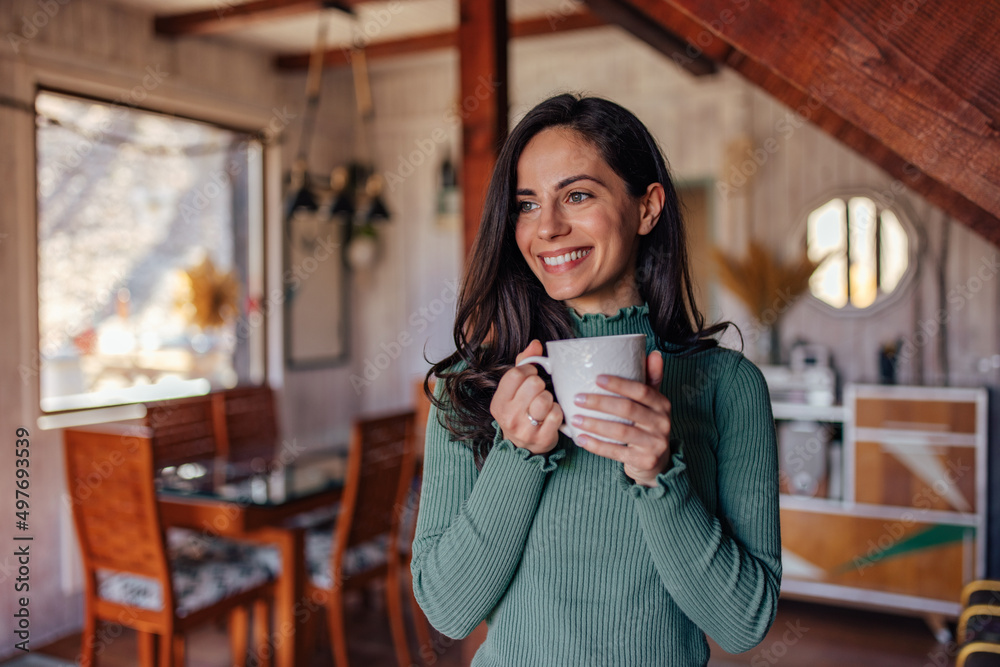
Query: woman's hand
[646, 452]
[524, 409]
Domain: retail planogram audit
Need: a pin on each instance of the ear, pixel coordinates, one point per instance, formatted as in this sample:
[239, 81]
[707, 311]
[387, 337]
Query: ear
[650, 207]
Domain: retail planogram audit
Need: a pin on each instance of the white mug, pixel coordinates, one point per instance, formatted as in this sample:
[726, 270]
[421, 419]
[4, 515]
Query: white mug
[575, 363]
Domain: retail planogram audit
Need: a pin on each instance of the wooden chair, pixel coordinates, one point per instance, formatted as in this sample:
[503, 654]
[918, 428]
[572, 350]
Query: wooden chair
[422, 408]
[129, 576]
[981, 592]
[979, 625]
[245, 423]
[182, 430]
[364, 545]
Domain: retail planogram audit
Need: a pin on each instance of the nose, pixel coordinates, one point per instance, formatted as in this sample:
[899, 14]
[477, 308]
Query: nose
[552, 223]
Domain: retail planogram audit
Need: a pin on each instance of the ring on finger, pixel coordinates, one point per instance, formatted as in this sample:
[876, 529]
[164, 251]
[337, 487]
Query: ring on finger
[534, 422]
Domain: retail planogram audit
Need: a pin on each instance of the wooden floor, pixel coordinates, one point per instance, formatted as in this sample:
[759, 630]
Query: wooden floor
[804, 635]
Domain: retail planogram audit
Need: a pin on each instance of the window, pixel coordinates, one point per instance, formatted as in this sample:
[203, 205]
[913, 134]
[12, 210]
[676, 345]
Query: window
[149, 255]
[866, 250]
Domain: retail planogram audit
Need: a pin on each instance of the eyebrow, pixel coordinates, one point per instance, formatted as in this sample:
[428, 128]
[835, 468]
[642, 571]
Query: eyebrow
[563, 183]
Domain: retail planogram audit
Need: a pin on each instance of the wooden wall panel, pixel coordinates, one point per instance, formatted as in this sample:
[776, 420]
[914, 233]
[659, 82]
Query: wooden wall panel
[849, 551]
[883, 479]
[935, 416]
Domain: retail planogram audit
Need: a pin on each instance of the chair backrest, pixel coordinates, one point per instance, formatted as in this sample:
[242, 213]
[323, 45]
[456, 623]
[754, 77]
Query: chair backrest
[379, 472]
[113, 499]
[182, 430]
[248, 427]
[422, 407]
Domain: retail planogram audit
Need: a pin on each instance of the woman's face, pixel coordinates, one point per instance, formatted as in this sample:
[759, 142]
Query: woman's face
[578, 227]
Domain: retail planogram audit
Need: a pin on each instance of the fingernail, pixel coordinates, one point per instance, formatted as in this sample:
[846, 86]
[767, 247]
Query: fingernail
[577, 420]
[579, 399]
[602, 380]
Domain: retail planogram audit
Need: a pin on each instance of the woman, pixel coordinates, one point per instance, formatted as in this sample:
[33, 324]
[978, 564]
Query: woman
[597, 554]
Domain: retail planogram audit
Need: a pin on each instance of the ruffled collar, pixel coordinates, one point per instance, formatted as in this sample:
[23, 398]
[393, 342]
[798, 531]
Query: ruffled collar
[628, 320]
[629, 316]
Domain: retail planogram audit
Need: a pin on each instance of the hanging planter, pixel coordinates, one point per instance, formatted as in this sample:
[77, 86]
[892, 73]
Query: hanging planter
[363, 248]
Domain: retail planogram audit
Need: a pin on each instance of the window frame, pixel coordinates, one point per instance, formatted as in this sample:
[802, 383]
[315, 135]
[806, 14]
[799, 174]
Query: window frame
[900, 207]
[182, 104]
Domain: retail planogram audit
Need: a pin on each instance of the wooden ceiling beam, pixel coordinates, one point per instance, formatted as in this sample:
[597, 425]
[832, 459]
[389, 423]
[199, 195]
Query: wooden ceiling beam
[443, 40]
[557, 22]
[651, 22]
[811, 108]
[341, 57]
[227, 16]
[912, 91]
[483, 86]
[932, 121]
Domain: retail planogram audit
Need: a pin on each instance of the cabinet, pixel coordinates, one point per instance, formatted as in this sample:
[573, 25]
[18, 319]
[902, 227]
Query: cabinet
[909, 528]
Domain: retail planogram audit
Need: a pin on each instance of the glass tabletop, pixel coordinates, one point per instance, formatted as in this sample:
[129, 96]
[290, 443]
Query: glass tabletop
[255, 481]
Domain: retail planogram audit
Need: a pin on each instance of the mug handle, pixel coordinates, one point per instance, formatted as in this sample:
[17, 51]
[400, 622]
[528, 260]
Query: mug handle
[546, 363]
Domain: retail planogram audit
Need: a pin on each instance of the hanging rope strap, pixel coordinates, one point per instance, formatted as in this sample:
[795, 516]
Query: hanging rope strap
[314, 82]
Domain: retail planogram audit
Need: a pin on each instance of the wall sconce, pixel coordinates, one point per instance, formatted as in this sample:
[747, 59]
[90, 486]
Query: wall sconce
[449, 196]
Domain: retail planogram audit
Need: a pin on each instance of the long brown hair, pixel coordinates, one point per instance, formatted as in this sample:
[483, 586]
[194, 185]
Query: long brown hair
[502, 306]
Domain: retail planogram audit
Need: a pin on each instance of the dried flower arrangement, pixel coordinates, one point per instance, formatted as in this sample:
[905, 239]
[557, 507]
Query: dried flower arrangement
[765, 285]
[212, 295]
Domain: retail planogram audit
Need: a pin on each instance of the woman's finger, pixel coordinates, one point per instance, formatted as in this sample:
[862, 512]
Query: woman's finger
[541, 404]
[511, 381]
[529, 390]
[549, 430]
[608, 450]
[632, 434]
[534, 349]
[637, 391]
[521, 393]
[653, 419]
[638, 460]
[654, 369]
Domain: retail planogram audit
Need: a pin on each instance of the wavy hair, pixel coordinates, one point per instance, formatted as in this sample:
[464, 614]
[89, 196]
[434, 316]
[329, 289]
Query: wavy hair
[502, 305]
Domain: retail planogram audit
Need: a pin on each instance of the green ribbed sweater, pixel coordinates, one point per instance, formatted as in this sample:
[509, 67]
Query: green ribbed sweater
[570, 563]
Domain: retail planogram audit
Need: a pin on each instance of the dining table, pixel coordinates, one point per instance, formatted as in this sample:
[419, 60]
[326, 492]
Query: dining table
[262, 501]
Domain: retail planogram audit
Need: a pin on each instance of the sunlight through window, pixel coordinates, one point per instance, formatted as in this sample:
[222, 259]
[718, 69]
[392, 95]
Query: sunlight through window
[146, 228]
[866, 251]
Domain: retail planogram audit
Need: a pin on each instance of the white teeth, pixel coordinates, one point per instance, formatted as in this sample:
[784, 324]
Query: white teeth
[568, 257]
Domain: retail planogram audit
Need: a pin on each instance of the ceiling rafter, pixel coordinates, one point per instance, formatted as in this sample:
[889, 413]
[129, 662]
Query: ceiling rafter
[227, 15]
[928, 117]
[444, 40]
[654, 24]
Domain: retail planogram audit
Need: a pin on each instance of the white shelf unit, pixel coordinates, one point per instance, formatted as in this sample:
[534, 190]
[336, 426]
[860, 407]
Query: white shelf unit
[910, 529]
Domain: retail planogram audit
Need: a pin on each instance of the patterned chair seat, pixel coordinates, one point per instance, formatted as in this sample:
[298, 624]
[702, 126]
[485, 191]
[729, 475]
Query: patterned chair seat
[204, 570]
[319, 551]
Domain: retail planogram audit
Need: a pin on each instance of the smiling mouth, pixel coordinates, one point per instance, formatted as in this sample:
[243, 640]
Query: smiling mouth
[566, 258]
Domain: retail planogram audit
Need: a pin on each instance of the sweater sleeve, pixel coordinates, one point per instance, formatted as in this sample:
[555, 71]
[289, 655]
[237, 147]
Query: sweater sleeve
[472, 527]
[725, 577]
